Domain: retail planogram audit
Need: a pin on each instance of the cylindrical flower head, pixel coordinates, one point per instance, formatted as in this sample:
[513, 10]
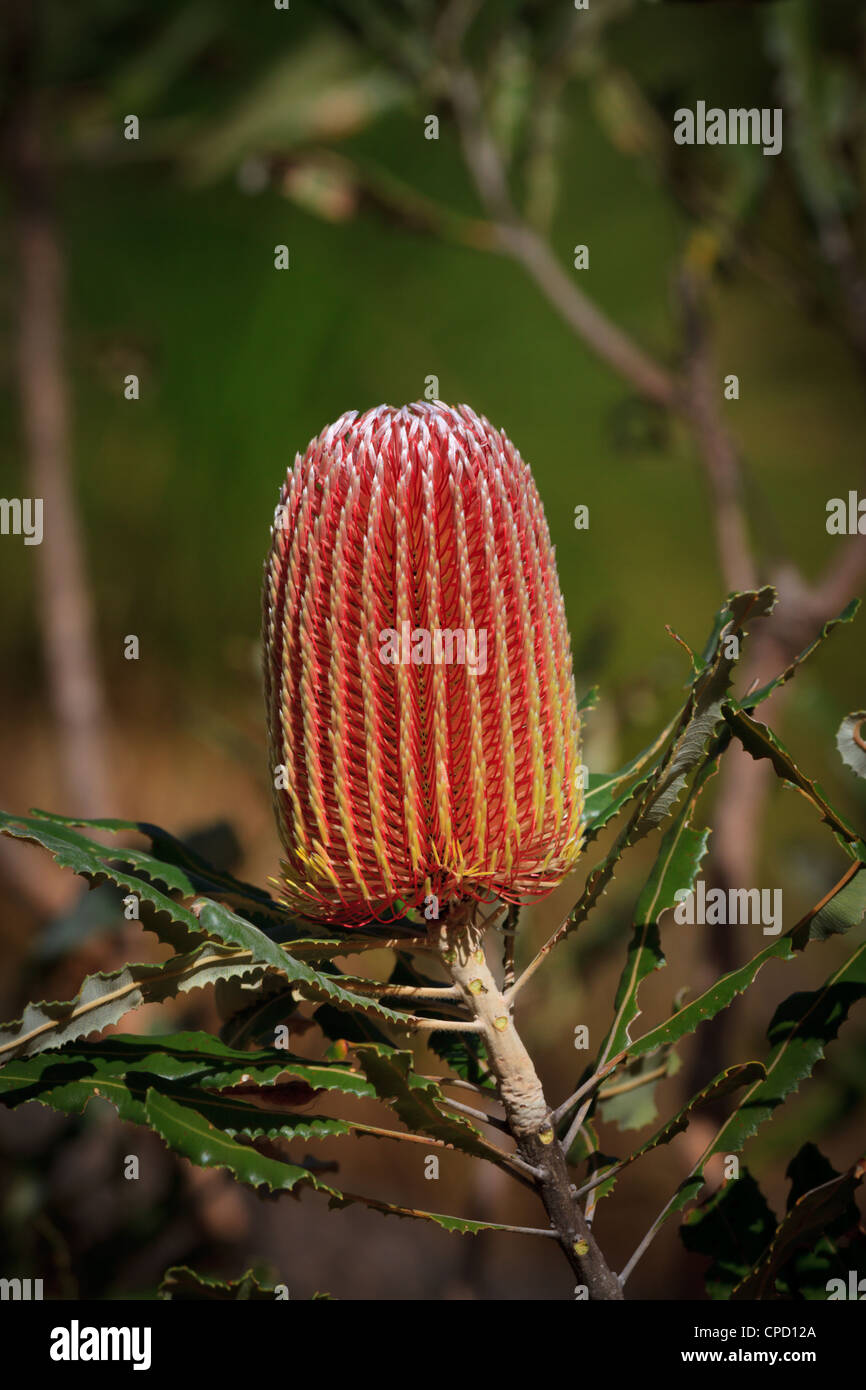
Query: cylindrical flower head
[424, 734]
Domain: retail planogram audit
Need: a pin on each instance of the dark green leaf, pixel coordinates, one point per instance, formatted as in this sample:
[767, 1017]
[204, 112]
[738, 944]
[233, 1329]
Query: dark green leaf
[105, 998]
[812, 1215]
[466, 1056]
[702, 714]
[799, 1032]
[842, 910]
[189, 1133]
[188, 1057]
[182, 869]
[221, 924]
[131, 870]
[761, 742]
[182, 1285]
[415, 1100]
[756, 697]
[731, 1079]
[733, 1227]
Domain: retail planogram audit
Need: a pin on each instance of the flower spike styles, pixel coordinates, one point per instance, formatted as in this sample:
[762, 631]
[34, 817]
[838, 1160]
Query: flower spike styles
[424, 733]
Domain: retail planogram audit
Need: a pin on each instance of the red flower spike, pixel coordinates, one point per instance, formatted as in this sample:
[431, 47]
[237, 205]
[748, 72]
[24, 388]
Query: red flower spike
[417, 671]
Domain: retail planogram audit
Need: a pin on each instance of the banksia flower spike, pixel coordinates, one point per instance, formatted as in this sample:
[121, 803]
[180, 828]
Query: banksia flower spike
[424, 734]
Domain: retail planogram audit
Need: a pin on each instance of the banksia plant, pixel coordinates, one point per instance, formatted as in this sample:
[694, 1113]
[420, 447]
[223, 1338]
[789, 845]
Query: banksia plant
[425, 744]
[420, 700]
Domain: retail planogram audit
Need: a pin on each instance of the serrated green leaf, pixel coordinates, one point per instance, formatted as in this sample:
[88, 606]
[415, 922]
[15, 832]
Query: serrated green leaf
[187, 1057]
[702, 714]
[756, 697]
[675, 870]
[105, 998]
[799, 1031]
[180, 868]
[812, 1215]
[720, 994]
[731, 1079]
[69, 1084]
[699, 738]
[234, 1116]
[842, 910]
[761, 742]
[221, 924]
[173, 922]
[459, 1225]
[676, 866]
[189, 1134]
[417, 1101]
[733, 1227]
[181, 1285]
[609, 792]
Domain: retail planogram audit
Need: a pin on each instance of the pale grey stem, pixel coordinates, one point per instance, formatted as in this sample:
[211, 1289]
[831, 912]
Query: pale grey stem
[528, 1115]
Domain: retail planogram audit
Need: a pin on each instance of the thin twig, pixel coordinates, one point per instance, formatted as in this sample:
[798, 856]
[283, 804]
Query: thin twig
[576, 1125]
[439, 1025]
[593, 889]
[513, 1163]
[634, 1084]
[588, 1085]
[533, 253]
[477, 1114]
[464, 1085]
[599, 1178]
[386, 991]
